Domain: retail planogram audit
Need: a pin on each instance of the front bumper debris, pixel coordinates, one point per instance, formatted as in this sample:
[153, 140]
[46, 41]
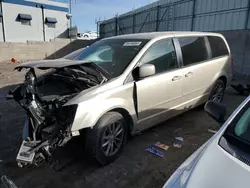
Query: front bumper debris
[33, 153]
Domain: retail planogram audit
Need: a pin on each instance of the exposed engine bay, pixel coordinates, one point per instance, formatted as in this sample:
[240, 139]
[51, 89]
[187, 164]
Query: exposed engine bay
[49, 120]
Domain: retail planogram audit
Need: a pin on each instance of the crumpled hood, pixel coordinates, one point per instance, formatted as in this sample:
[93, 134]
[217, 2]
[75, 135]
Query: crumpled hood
[54, 63]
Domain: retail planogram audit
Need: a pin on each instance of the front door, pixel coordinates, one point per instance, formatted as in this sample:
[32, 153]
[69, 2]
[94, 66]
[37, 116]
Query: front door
[159, 96]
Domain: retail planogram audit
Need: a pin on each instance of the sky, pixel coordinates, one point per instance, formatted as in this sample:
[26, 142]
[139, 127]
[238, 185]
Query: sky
[85, 12]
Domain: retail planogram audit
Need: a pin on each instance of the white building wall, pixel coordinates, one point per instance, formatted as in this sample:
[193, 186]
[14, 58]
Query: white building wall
[15, 31]
[61, 26]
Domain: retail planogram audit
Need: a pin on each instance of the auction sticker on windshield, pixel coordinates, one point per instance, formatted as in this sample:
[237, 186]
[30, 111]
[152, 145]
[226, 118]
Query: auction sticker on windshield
[132, 44]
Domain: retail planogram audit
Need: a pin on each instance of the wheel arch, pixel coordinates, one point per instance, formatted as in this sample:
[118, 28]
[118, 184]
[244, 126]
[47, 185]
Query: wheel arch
[224, 79]
[127, 117]
[221, 76]
[91, 118]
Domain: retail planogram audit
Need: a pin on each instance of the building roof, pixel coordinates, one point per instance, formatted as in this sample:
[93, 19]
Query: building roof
[153, 35]
[47, 4]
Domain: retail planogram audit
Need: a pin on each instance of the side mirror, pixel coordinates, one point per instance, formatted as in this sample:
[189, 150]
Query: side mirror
[216, 110]
[146, 70]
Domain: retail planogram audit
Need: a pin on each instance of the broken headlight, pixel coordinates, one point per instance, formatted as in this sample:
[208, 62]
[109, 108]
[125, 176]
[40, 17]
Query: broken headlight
[66, 114]
[64, 118]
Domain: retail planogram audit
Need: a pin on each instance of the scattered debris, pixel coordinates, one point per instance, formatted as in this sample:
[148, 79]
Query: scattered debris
[177, 130]
[211, 131]
[155, 133]
[177, 145]
[155, 152]
[162, 146]
[179, 139]
[163, 174]
[13, 60]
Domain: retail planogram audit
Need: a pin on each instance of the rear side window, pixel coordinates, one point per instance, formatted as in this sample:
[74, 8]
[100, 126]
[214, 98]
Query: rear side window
[218, 46]
[193, 49]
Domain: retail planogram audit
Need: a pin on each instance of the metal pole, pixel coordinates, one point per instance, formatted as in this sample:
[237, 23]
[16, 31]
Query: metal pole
[4, 39]
[144, 22]
[116, 25]
[157, 18]
[193, 14]
[96, 27]
[247, 16]
[44, 38]
[133, 22]
[70, 11]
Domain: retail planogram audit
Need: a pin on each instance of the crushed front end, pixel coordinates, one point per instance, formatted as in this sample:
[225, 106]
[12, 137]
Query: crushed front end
[48, 121]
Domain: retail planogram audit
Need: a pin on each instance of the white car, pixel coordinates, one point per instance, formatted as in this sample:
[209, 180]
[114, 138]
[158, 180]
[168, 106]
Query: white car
[90, 35]
[224, 160]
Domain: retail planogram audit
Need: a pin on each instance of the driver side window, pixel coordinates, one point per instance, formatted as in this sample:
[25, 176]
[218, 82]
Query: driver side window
[162, 55]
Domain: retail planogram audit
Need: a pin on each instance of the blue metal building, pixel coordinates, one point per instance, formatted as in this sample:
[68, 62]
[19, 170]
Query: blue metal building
[229, 17]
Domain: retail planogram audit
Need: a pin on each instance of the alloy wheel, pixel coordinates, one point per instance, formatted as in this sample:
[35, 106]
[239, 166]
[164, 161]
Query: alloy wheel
[218, 93]
[112, 138]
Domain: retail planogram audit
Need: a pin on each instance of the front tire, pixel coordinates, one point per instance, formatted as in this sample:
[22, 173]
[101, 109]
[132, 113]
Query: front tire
[107, 138]
[218, 91]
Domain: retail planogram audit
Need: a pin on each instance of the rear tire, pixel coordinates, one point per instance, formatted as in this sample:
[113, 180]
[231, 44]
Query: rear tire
[218, 91]
[107, 138]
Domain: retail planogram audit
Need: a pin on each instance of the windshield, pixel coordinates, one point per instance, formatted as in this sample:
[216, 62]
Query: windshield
[73, 54]
[240, 126]
[112, 55]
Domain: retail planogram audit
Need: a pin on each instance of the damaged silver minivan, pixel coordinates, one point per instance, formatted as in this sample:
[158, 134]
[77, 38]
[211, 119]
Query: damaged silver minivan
[116, 87]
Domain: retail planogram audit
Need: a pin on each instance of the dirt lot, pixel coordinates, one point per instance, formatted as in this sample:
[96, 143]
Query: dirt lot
[135, 167]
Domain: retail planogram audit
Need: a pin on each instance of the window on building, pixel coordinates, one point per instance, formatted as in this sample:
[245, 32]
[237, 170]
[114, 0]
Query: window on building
[194, 50]
[162, 55]
[51, 25]
[25, 22]
[25, 19]
[218, 46]
[50, 22]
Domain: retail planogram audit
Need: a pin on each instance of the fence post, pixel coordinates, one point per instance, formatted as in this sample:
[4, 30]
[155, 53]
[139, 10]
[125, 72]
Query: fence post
[157, 18]
[3, 29]
[44, 32]
[247, 16]
[116, 25]
[193, 15]
[133, 22]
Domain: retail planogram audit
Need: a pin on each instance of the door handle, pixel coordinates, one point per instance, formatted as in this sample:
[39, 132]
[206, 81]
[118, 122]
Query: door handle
[176, 78]
[189, 74]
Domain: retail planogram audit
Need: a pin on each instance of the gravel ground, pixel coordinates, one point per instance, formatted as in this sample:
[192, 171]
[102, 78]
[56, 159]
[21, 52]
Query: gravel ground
[135, 168]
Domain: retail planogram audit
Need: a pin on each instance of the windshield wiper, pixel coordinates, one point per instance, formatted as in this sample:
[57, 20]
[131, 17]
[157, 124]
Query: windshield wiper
[78, 74]
[237, 141]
